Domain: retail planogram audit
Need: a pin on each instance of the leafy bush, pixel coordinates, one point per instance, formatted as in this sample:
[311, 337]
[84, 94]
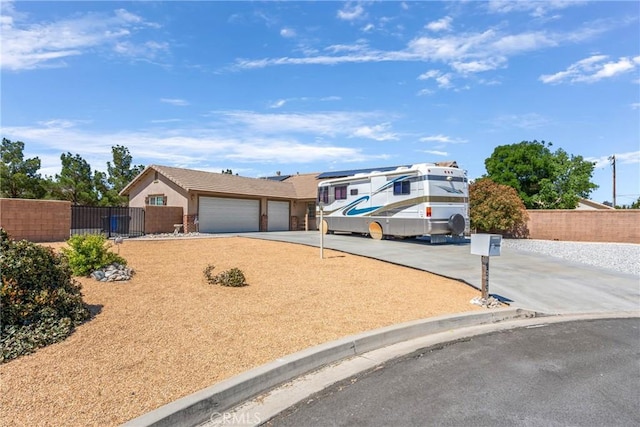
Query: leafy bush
[233, 277]
[497, 208]
[39, 301]
[90, 252]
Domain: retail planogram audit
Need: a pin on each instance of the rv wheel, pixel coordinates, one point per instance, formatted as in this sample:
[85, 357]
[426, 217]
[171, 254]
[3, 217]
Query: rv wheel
[375, 231]
[456, 224]
[325, 227]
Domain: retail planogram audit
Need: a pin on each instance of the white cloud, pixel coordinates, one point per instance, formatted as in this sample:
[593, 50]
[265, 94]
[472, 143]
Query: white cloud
[232, 137]
[442, 139]
[629, 158]
[30, 45]
[635, 105]
[523, 121]
[443, 24]
[376, 132]
[466, 53]
[534, 8]
[174, 101]
[591, 70]
[368, 28]
[436, 153]
[279, 103]
[331, 124]
[351, 12]
[288, 32]
[443, 79]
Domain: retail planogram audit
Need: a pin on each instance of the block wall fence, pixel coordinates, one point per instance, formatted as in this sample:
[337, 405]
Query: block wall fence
[36, 220]
[161, 219]
[620, 225]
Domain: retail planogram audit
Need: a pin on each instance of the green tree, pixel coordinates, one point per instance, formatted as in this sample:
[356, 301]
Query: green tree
[496, 208]
[19, 178]
[75, 181]
[227, 172]
[542, 178]
[120, 174]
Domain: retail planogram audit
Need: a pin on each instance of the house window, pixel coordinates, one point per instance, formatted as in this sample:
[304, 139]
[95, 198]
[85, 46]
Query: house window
[341, 192]
[323, 195]
[401, 187]
[353, 191]
[157, 200]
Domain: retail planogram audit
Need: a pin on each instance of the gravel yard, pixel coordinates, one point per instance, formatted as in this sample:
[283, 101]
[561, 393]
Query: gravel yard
[168, 333]
[622, 257]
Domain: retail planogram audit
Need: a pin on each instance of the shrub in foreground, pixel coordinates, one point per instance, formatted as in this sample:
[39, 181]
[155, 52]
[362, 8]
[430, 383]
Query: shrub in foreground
[90, 252]
[40, 302]
[233, 277]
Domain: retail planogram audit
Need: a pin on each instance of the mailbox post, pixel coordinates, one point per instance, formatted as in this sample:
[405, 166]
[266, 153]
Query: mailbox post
[485, 245]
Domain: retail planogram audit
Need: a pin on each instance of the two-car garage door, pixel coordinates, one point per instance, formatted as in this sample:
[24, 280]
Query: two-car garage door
[225, 215]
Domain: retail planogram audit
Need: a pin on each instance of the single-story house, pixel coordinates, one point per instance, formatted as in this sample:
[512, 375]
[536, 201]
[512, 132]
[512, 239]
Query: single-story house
[586, 204]
[217, 202]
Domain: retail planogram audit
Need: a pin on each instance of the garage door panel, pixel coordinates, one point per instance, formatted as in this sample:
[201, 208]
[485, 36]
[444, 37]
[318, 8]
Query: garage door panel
[226, 215]
[277, 215]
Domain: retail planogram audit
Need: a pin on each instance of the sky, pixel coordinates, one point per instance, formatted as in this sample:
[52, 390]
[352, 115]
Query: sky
[300, 87]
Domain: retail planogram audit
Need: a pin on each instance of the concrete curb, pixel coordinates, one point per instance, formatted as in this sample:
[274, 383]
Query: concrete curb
[197, 408]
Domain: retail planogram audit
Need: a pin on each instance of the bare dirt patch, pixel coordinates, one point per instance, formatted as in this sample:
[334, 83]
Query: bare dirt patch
[168, 333]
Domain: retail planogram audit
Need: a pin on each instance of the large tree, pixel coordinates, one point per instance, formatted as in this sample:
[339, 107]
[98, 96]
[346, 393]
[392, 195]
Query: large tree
[542, 178]
[19, 177]
[120, 173]
[75, 181]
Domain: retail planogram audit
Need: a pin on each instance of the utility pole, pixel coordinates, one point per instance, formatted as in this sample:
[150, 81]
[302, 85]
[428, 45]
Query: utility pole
[613, 163]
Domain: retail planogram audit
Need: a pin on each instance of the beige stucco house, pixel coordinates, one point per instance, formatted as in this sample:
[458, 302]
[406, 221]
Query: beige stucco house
[217, 203]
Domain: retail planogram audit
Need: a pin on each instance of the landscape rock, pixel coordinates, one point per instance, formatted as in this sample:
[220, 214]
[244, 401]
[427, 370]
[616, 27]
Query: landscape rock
[113, 273]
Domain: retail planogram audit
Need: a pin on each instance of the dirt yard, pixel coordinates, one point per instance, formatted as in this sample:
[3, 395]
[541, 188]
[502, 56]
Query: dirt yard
[167, 333]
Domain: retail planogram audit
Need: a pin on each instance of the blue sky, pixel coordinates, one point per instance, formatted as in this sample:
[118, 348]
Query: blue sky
[260, 87]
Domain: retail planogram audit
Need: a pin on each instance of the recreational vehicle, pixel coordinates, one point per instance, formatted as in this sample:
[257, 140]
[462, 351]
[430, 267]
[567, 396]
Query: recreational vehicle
[425, 199]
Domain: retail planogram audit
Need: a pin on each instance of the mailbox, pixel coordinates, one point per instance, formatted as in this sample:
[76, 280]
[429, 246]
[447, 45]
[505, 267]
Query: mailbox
[486, 244]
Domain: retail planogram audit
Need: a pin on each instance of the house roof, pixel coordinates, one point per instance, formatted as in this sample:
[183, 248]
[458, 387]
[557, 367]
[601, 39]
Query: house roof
[195, 180]
[306, 185]
[586, 204]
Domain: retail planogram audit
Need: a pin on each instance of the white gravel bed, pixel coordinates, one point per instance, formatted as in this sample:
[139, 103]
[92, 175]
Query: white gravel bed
[622, 257]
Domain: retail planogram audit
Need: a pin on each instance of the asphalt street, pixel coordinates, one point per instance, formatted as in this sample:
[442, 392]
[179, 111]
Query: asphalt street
[584, 373]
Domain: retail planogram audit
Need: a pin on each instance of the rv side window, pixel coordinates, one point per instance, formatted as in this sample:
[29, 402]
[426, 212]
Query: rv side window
[341, 192]
[401, 187]
[353, 191]
[323, 195]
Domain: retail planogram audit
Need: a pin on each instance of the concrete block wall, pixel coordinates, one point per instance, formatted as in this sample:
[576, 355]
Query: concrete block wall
[160, 219]
[620, 225]
[189, 224]
[36, 220]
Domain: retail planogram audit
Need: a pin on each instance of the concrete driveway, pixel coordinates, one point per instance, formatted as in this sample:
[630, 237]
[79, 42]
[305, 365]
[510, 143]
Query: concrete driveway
[523, 279]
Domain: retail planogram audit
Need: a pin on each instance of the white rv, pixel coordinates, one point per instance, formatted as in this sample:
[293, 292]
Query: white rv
[425, 199]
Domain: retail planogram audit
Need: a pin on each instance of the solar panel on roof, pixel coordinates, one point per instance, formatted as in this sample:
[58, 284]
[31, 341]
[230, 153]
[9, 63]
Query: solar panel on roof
[277, 177]
[341, 174]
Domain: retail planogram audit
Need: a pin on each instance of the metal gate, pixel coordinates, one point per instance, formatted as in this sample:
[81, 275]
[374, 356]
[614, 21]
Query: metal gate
[112, 221]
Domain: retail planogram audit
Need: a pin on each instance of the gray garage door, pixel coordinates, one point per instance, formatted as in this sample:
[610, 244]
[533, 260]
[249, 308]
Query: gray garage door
[223, 215]
[278, 216]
